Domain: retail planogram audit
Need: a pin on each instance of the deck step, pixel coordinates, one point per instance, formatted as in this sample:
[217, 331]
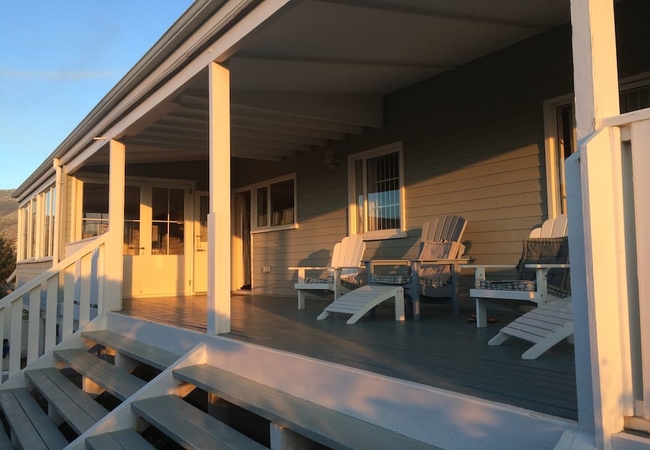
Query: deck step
[145, 353]
[31, 426]
[189, 426]
[77, 408]
[115, 380]
[318, 423]
[127, 439]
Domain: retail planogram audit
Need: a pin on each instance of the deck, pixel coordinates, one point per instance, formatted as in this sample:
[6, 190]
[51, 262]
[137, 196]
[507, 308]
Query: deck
[440, 350]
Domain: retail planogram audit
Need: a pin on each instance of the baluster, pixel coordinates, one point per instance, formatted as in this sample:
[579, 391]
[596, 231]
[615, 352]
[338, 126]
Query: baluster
[51, 306]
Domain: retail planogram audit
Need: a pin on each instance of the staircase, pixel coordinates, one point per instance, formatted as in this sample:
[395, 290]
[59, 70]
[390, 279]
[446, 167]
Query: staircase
[101, 390]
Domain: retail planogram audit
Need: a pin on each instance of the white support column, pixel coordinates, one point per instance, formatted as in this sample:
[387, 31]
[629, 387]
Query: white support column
[596, 98]
[114, 266]
[59, 223]
[219, 215]
[595, 73]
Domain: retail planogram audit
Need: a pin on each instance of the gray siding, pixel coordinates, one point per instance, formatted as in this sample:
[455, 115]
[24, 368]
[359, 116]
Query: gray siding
[25, 271]
[473, 145]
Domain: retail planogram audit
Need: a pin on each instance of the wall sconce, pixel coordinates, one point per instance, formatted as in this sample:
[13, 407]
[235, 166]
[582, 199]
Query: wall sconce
[331, 159]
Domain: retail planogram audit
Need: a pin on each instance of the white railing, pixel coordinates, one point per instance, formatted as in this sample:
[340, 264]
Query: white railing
[615, 183]
[73, 247]
[60, 296]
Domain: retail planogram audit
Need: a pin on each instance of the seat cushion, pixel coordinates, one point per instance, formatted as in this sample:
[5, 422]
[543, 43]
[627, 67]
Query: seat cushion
[390, 279]
[547, 251]
[326, 280]
[437, 275]
[507, 285]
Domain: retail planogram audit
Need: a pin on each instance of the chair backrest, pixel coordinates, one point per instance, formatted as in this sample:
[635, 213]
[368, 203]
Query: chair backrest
[348, 252]
[444, 228]
[557, 227]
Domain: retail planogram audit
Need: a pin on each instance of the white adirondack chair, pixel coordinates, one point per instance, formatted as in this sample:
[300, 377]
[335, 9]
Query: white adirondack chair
[434, 273]
[342, 273]
[551, 321]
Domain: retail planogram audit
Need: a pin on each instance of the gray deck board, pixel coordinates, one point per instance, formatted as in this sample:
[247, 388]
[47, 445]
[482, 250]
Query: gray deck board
[119, 440]
[440, 350]
[189, 426]
[76, 407]
[153, 356]
[323, 425]
[115, 380]
[33, 429]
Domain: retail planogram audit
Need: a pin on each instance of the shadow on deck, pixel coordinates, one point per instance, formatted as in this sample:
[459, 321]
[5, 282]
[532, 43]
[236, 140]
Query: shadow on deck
[440, 350]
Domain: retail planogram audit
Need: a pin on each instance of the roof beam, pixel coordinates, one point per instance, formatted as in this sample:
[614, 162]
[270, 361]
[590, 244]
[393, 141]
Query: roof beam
[257, 142]
[253, 124]
[347, 62]
[364, 110]
[280, 137]
[438, 14]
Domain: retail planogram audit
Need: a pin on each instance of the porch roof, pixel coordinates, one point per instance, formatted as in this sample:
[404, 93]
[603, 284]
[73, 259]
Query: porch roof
[314, 71]
[440, 350]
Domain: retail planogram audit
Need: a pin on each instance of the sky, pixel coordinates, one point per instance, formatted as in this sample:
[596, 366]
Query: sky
[58, 59]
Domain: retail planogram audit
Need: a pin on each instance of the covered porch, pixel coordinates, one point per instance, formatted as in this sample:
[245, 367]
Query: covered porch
[441, 350]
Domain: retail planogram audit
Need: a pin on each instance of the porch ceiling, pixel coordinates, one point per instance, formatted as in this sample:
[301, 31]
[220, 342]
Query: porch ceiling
[321, 69]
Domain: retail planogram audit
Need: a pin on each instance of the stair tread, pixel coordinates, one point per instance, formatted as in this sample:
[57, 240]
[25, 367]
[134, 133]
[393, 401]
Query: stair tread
[31, 425]
[190, 426]
[127, 439]
[115, 380]
[148, 354]
[319, 423]
[76, 407]
[5, 442]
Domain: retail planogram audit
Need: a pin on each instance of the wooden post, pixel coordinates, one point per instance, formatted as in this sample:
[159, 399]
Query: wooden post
[218, 320]
[58, 243]
[114, 265]
[596, 98]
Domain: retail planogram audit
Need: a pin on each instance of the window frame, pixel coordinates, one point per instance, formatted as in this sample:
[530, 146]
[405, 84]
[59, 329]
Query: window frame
[551, 139]
[391, 233]
[267, 184]
[32, 219]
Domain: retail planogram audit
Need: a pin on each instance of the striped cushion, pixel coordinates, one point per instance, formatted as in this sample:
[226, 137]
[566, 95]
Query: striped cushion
[437, 282]
[520, 285]
[351, 281]
[327, 280]
[391, 279]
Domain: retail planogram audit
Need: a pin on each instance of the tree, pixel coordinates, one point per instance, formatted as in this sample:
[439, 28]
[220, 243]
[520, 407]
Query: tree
[7, 262]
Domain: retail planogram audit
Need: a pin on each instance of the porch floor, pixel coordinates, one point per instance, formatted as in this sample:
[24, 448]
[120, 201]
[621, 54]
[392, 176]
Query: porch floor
[440, 350]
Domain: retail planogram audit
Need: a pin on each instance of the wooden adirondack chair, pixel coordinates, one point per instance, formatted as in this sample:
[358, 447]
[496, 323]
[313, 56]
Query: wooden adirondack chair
[434, 273]
[542, 279]
[343, 271]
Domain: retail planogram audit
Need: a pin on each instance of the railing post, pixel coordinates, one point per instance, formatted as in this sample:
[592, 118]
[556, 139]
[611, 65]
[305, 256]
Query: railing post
[641, 188]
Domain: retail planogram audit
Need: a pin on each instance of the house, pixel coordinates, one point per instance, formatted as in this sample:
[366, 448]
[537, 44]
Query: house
[256, 134]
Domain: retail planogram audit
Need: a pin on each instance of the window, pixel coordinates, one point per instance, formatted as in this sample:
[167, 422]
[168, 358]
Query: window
[275, 204]
[168, 221]
[561, 142]
[37, 219]
[376, 193]
[94, 210]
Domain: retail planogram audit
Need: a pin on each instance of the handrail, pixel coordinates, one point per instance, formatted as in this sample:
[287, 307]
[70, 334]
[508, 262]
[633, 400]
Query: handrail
[12, 277]
[40, 279]
[84, 270]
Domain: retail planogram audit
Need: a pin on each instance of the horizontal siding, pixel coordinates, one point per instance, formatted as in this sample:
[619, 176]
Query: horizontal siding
[473, 143]
[25, 271]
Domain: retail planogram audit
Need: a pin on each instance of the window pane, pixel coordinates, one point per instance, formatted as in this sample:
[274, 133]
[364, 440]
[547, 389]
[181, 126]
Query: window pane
[360, 196]
[32, 245]
[282, 203]
[132, 220]
[24, 213]
[47, 224]
[94, 210]
[262, 207]
[167, 230]
[383, 199]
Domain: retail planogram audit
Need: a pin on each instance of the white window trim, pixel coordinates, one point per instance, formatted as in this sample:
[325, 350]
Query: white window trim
[551, 138]
[35, 232]
[393, 233]
[267, 183]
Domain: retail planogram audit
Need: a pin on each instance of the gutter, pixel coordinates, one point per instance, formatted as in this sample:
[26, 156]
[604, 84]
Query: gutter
[185, 26]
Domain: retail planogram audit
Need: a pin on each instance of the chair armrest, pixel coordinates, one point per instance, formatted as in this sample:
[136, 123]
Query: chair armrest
[310, 268]
[440, 261]
[547, 266]
[387, 262]
[479, 270]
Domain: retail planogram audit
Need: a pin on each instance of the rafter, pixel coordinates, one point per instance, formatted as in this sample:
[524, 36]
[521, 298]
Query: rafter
[257, 142]
[436, 13]
[279, 137]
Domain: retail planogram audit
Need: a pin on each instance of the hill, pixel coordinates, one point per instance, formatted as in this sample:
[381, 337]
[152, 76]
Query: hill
[8, 214]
